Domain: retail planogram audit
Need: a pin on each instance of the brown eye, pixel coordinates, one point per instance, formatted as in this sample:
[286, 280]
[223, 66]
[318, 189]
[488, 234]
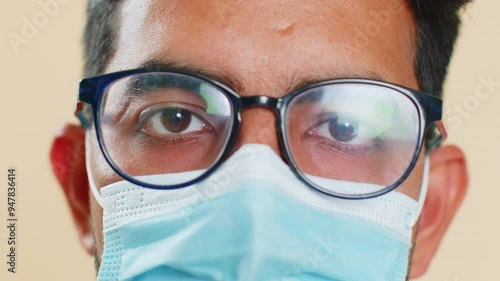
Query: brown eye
[343, 129]
[175, 120]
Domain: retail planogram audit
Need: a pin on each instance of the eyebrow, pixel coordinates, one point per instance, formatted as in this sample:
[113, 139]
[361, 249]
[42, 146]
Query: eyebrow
[237, 86]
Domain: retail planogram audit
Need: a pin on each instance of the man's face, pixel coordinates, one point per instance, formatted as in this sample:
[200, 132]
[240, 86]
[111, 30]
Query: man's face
[266, 48]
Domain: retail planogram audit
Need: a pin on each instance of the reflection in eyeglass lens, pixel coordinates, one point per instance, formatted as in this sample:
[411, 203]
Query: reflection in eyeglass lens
[353, 132]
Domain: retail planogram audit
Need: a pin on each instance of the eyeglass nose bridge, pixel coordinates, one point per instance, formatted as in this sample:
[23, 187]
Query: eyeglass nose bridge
[275, 105]
[261, 101]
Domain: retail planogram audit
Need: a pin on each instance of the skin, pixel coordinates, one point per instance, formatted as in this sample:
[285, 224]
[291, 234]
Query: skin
[267, 48]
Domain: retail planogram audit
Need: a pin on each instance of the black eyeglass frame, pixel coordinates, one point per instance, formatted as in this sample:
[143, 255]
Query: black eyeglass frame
[92, 89]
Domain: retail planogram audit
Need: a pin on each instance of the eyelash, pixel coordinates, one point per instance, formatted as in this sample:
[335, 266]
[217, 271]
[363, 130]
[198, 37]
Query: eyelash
[195, 111]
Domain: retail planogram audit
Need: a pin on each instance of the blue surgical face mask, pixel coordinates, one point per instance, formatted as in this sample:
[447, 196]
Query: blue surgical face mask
[253, 220]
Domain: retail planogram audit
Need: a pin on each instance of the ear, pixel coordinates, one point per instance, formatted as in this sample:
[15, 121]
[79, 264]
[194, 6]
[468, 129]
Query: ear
[67, 157]
[448, 181]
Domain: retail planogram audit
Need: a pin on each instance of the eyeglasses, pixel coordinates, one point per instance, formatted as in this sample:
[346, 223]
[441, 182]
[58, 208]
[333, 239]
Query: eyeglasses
[185, 124]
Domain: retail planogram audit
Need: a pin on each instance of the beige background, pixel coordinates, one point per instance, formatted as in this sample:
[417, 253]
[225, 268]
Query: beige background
[38, 92]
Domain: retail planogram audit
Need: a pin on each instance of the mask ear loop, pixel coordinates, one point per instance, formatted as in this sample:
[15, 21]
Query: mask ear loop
[423, 191]
[93, 187]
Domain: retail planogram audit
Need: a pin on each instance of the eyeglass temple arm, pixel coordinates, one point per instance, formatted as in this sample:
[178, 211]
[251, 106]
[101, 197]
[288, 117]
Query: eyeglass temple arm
[439, 138]
[434, 114]
[433, 107]
[86, 97]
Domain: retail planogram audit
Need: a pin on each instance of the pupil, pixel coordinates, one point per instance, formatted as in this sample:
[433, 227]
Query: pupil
[175, 120]
[343, 130]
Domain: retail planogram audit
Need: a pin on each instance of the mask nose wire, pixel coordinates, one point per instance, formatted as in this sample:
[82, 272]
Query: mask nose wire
[93, 187]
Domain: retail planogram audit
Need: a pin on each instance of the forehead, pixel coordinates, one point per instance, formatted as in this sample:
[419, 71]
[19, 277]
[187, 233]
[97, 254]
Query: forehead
[267, 45]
